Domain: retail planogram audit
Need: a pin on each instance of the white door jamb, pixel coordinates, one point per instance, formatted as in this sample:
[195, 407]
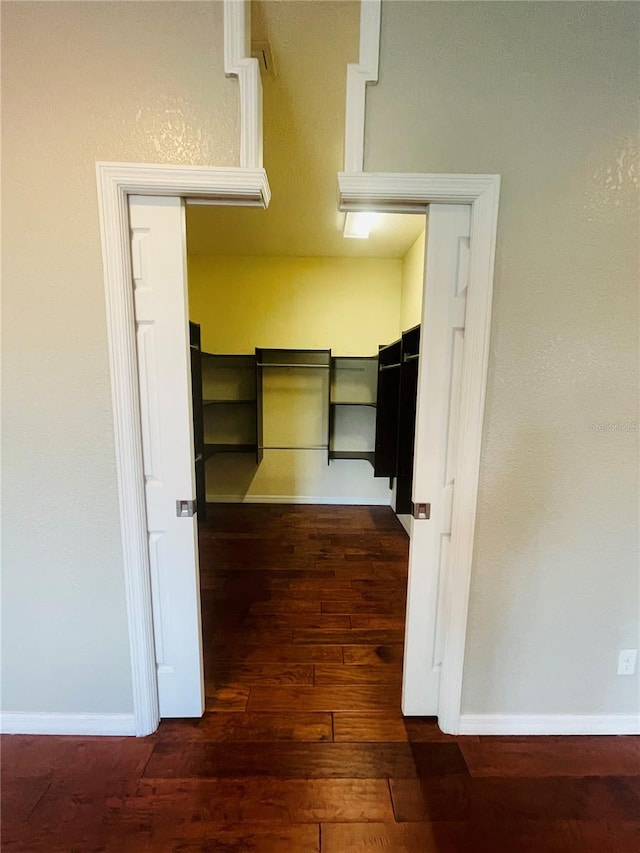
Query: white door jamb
[412, 193]
[115, 182]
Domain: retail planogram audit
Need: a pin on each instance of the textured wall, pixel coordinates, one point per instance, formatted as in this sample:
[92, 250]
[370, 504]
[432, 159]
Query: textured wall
[546, 94]
[136, 82]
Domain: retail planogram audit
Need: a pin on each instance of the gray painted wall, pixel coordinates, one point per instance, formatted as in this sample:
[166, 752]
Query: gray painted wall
[547, 95]
[134, 82]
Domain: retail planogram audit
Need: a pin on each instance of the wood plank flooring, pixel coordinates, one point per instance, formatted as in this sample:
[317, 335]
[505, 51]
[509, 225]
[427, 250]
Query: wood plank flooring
[303, 748]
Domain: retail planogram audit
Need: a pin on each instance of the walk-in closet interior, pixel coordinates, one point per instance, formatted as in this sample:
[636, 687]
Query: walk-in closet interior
[305, 368]
[304, 320]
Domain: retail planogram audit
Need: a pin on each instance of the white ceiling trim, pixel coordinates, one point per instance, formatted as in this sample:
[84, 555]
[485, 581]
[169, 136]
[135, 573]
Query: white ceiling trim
[239, 63]
[358, 76]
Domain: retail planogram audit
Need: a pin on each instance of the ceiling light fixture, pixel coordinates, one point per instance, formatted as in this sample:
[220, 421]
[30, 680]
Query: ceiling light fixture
[359, 224]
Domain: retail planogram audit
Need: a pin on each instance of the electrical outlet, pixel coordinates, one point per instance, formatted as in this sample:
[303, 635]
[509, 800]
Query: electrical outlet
[627, 661]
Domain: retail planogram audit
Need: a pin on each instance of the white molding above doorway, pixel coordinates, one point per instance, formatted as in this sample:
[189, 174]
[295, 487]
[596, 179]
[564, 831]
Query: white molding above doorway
[412, 193]
[239, 63]
[360, 74]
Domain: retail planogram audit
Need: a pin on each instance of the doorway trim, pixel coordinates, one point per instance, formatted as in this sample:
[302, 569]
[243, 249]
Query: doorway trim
[412, 193]
[116, 181]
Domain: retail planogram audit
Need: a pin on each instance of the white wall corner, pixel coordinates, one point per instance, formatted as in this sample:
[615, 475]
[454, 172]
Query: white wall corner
[43, 723]
[358, 76]
[239, 63]
[549, 724]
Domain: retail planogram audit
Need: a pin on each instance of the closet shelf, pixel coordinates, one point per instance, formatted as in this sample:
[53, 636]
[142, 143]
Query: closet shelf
[353, 403]
[211, 449]
[229, 402]
[367, 455]
[294, 447]
[292, 359]
[306, 366]
[240, 356]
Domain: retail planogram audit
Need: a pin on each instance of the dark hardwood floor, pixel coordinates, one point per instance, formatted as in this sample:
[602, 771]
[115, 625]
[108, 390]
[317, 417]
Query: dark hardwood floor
[303, 747]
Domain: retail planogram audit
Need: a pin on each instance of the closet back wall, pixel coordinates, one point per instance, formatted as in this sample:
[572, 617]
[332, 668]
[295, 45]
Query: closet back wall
[348, 305]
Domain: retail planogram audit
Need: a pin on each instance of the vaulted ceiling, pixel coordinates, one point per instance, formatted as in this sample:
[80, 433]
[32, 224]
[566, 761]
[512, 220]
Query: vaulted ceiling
[304, 107]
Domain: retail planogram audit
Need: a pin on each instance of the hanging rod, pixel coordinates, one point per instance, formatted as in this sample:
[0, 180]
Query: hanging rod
[388, 366]
[274, 364]
[293, 447]
[412, 357]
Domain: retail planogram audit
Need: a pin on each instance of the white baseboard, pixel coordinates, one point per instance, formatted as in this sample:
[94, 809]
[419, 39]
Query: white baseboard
[407, 522]
[549, 724]
[296, 499]
[43, 723]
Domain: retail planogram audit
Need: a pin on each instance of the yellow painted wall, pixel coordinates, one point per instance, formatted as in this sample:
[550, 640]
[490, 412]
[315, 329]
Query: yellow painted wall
[350, 305]
[412, 284]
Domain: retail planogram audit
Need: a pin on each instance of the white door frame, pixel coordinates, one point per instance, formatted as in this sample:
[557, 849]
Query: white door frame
[397, 192]
[412, 193]
[248, 186]
[116, 181]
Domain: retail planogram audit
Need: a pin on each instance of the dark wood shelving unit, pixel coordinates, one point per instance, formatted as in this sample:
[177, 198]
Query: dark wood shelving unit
[229, 391]
[352, 386]
[231, 408]
[396, 414]
[407, 419]
[295, 360]
[198, 420]
[387, 411]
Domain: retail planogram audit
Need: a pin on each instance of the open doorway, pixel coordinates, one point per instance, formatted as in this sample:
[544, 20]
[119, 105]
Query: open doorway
[291, 316]
[303, 563]
[357, 192]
